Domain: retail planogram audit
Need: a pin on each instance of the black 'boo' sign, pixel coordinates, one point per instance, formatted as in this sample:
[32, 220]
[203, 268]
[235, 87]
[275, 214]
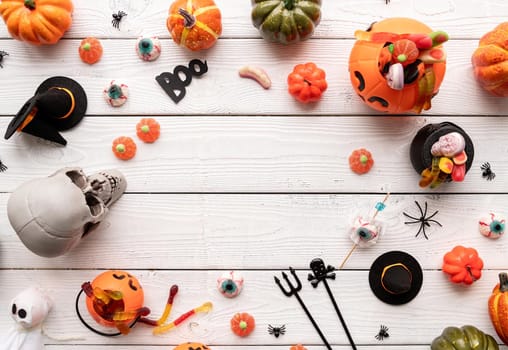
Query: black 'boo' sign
[174, 85]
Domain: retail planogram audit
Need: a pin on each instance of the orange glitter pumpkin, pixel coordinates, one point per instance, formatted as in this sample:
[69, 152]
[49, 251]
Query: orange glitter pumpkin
[148, 130]
[122, 284]
[366, 73]
[242, 324]
[124, 147]
[490, 61]
[360, 161]
[90, 50]
[195, 24]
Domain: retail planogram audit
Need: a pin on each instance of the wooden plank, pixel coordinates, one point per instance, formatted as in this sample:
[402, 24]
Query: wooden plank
[251, 154]
[158, 231]
[340, 19]
[213, 93]
[261, 297]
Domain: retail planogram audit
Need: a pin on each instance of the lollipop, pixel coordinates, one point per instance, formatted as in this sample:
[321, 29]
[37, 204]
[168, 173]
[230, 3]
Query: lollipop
[365, 232]
[492, 226]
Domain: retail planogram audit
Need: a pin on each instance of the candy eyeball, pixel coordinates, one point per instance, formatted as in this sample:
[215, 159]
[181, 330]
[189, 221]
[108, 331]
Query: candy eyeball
[148, 49]
[116, 94]
[230, 284]
[492, 226]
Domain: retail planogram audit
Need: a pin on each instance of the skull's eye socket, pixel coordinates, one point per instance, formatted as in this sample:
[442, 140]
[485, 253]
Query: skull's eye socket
[94, 204]
[22, 313]
[77, 178]
[14, 309]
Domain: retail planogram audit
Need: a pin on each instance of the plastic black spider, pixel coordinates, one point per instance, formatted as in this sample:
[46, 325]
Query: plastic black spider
[423, 220]
[276, 331]
[3, 167]
[2, 54]
[117, 17]
[487, 171]
[383, 333]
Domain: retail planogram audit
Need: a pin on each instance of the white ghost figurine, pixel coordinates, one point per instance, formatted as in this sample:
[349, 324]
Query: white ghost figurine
[29, 310]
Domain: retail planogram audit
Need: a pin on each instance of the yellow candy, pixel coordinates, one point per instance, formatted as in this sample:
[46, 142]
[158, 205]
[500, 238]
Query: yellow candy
[445, 165]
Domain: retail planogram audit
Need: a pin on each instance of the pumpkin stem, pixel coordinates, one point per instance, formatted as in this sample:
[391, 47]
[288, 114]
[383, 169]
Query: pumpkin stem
[289, 4]
[30, 4]
[468, 268]
[307, 82]
[503, 282]
[188, 19]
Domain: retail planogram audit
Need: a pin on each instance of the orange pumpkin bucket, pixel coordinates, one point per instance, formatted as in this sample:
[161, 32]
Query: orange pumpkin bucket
[397, 65]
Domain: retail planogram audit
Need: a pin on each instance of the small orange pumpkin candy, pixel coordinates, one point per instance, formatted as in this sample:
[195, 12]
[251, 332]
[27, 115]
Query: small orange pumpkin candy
[242, 324]
[195, 24]
[490, 61]
[361, 161]
[463, 265]
[37, 21]
[498, 307]
[148, 130]
[90, 50]
[298, 347]
[124, 147]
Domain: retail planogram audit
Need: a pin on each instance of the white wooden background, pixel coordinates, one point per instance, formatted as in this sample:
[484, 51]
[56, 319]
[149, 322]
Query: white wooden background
[248, 179]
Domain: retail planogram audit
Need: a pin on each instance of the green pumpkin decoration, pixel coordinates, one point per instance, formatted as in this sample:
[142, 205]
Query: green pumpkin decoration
[286, 21]
[464, 338]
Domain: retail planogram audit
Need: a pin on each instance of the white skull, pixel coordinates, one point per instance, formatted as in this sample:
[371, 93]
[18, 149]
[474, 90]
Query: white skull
[52, 214]
[30, 307]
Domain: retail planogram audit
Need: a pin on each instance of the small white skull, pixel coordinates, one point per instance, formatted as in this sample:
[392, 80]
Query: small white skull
[52, 214]
[30, 307]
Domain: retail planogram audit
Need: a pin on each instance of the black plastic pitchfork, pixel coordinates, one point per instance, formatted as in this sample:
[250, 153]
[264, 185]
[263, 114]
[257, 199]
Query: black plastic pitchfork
[293, 290]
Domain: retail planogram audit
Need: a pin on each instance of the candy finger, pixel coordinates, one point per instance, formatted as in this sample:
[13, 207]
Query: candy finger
[256, 73]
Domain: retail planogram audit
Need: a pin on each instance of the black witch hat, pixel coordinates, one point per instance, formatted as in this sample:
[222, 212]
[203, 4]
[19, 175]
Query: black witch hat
[59, 104]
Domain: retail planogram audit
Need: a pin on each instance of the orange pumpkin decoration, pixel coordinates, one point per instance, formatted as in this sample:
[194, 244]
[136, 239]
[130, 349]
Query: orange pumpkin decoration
[498, 307]
[490, 61]
[148, 130]
[298, 347]
[124, 147]
[463, 265]
[307, 82]
[366, 72]
[191, 346]
[361, 161]
[195, 24]
[90, 50]
[129, 297]
[37, 21]
[242, 324]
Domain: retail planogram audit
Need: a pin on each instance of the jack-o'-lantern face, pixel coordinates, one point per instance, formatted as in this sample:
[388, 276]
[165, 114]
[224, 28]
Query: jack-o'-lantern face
[123, 292]
[368, 68]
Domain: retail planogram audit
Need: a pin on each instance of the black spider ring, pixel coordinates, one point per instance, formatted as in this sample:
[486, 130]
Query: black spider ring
[487, 171]
[423, 220]
[2, 54]
[383, 333]
[117, 17]
[276, 331]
